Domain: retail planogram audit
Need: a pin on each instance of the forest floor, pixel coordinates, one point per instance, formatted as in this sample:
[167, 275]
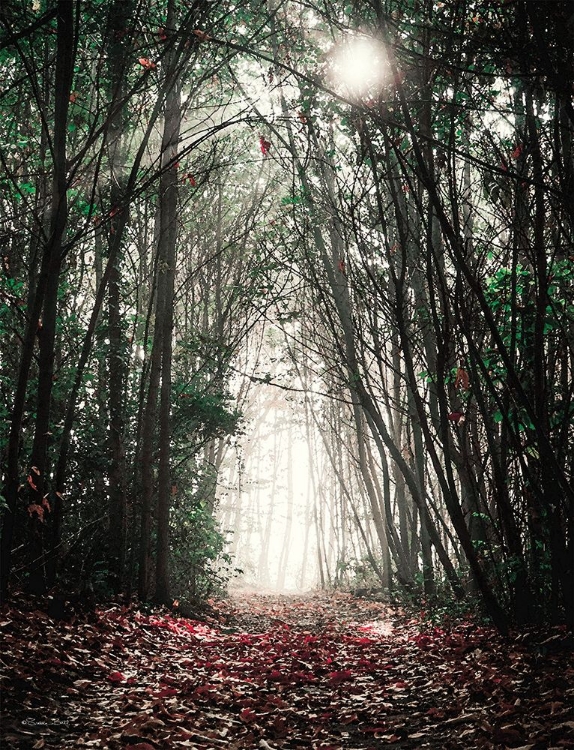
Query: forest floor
[317, 671]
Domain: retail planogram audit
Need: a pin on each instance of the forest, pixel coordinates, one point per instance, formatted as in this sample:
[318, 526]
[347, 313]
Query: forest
[287, 303]
[360, 211]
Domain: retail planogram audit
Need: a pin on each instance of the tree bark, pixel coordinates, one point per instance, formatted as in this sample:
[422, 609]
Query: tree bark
[120, 14]
[167, 254]
[42, 323]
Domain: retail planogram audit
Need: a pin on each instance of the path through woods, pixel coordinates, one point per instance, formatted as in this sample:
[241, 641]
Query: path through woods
[317, 671]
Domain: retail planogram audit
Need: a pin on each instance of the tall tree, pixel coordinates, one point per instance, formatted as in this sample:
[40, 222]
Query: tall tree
[42, 319]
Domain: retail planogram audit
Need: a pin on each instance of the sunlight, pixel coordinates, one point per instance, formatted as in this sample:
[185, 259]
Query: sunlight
[359, 65]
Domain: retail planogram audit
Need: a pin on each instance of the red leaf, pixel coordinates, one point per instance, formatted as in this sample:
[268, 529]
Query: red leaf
[116, 677]
[462, 380]
[435, 712]
[400, 685]
[165, 692]
[340, 676]
[201, 35]
[517, 151]
[264, 145]
[247, 715]
[34, 508]
[146, 63]
[456, 417]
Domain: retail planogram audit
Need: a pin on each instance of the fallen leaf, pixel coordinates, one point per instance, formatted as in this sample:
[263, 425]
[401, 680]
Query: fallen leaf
[116, 677]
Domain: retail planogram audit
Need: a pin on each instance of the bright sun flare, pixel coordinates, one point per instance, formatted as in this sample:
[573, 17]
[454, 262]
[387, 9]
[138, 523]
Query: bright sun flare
[359, 65]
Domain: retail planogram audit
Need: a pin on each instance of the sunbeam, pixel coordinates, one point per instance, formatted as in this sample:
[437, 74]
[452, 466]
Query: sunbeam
[359, 65]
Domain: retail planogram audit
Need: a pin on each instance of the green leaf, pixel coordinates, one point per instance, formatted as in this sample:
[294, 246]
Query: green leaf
[27, 188]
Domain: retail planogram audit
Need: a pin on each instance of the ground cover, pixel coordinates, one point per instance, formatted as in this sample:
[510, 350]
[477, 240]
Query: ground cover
[282, 672]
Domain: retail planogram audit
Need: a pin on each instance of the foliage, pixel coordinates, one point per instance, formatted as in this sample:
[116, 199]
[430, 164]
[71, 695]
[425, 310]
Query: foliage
[323, 670]
[201, 567]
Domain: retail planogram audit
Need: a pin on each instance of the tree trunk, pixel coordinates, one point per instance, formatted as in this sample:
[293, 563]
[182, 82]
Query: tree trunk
[120, 14]
[167, 255]
[46, 298]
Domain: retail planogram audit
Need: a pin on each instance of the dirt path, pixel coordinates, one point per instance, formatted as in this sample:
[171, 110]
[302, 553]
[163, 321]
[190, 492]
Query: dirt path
[252, 610]
[320, 672]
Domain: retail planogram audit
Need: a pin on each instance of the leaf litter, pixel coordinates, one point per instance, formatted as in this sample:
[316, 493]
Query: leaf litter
[321, 671]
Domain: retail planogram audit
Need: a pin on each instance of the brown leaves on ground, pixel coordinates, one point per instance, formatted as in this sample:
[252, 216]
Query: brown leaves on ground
[288, 672]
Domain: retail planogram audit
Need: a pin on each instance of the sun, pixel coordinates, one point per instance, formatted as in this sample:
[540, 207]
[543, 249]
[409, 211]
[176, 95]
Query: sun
[359, 65]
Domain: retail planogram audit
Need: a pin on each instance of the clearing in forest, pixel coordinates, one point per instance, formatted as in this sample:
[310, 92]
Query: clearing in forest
[317, 671]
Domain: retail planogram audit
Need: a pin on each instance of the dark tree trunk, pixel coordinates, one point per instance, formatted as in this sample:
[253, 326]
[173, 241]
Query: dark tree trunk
[168, 258]
[120, 15]
[42, 323]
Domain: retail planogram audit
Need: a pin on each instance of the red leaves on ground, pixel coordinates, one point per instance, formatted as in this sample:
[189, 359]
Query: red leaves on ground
[279, 672]
[247, 715]
[116, 677]
[343, 675]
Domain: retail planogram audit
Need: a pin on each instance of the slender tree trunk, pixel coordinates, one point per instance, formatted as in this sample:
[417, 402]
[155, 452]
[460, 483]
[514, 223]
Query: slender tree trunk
[120, 14]
[168, 259]
[46, 298]
[263, 564]
[286, 547]
[149, 420]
